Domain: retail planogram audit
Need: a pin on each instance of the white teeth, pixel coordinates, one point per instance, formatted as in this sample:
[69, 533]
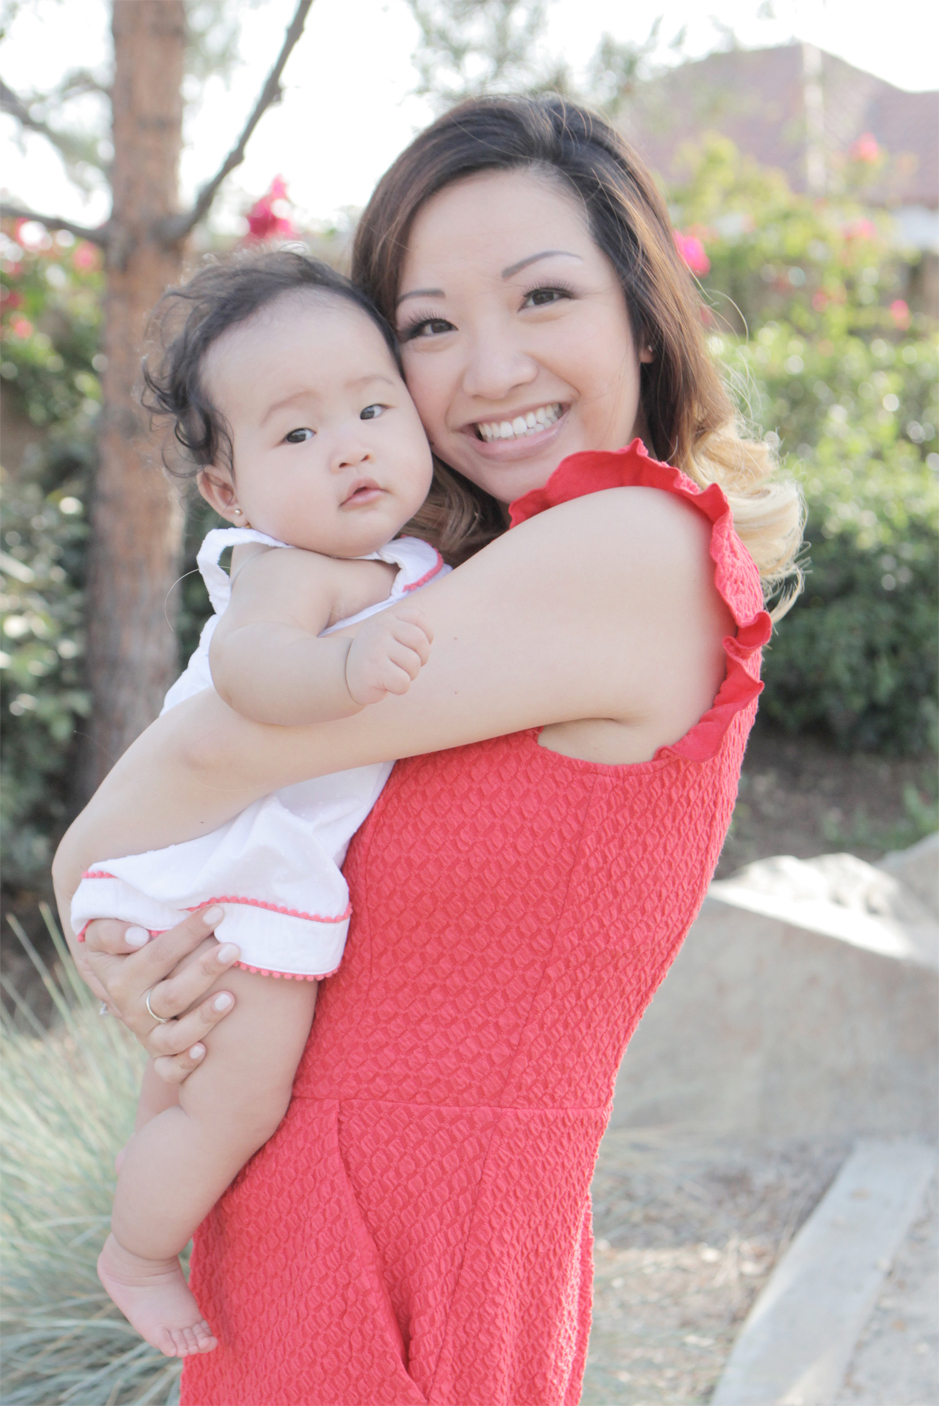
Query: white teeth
[529, 423]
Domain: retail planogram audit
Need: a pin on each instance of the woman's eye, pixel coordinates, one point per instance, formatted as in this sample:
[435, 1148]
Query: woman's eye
[543, 297]
[297, 436]
[427, 327]
[372, 412]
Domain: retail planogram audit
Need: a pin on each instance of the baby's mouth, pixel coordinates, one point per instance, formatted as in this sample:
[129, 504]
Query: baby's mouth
[531, 423]
[365, 490]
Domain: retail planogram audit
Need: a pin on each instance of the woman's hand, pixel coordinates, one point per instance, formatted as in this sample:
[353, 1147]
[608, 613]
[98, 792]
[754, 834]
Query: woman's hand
[175, 970]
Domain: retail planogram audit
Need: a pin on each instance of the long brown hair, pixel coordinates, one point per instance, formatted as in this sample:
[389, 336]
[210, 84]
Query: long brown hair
[690, 417]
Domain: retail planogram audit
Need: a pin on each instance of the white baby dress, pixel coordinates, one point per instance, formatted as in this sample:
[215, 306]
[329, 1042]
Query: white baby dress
[275, 867]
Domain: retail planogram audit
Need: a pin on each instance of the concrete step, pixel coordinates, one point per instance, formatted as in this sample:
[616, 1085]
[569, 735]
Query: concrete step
[799, 1338]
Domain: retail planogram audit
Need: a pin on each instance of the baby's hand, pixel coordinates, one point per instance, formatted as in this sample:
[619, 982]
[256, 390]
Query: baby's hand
[387, 654]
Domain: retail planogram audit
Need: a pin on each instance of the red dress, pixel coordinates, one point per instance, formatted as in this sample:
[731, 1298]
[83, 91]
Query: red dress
[418, 1229]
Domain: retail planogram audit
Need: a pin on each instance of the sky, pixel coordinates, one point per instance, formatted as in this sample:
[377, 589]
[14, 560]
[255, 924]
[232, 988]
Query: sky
[349, 104]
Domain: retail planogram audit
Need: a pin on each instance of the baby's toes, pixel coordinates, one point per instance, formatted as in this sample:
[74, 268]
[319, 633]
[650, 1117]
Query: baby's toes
[186, 1341]
[206, 1340]
[167, 1340]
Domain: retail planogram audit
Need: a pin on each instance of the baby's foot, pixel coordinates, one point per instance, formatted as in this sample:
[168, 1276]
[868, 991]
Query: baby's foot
[155, 1298]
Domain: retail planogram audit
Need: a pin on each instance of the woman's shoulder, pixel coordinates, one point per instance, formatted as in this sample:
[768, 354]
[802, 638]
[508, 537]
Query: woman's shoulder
[642, 517]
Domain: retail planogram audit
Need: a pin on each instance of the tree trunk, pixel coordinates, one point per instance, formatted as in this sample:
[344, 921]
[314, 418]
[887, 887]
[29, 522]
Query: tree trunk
[136, 518]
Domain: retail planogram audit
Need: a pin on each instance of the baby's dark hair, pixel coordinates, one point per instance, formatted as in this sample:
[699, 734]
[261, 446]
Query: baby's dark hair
[188, 320]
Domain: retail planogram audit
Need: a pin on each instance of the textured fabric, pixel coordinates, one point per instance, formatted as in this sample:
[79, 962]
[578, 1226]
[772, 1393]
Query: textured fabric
[275, 866]
[418, 1229]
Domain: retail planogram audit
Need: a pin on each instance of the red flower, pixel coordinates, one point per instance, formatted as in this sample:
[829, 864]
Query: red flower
[900, 312]
[691, 250]
[86, 257]
[866, 149]
[21, 327]
[859, 229]
[268, 218]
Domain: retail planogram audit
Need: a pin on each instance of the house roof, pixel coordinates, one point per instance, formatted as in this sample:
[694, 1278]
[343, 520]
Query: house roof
[756, 97]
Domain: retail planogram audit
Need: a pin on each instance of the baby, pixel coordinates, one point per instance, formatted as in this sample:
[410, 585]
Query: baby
[286, 391]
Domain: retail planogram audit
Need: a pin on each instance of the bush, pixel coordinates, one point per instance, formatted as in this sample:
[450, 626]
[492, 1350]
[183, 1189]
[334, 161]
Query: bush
[831, 367]
[49, 365]
[69, 1098]
[857, 655]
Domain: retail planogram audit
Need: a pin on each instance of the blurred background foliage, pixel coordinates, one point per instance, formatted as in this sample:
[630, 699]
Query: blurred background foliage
[811, 308]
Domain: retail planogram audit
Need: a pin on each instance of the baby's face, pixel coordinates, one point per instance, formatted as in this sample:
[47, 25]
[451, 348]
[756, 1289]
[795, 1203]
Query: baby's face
[329, 452]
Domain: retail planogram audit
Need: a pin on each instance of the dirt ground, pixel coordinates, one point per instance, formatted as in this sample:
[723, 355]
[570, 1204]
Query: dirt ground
[799, 796]
[687, 1234]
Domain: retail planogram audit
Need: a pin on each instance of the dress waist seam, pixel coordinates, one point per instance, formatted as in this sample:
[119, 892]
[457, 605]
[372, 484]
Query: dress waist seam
[456, 1107]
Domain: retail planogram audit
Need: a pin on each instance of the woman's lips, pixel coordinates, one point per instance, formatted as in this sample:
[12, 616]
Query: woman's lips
[525, 446]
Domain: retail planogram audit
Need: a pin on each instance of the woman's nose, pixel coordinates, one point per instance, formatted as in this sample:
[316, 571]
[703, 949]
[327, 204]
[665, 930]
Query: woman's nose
[495, 368]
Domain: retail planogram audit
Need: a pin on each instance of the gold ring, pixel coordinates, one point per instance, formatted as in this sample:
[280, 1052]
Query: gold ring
[160, 1019]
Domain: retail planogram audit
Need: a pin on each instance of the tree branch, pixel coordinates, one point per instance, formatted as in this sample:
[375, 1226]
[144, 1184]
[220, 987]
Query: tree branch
[74, 150]
[178, 226]
[99, 236]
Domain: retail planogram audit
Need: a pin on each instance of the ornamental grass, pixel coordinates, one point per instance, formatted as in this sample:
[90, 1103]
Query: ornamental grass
[68, 1106]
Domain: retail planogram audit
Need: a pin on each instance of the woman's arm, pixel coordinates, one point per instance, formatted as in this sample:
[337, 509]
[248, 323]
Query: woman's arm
[601, 609]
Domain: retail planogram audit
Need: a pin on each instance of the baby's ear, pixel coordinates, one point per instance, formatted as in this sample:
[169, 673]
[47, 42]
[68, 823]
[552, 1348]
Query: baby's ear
[219, 492]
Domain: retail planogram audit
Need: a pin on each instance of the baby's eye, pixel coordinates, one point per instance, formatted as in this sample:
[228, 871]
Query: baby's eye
[542, 297]
[298, 436]
[372, 412]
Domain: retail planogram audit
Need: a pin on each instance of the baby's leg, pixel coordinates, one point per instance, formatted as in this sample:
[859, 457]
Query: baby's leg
[155, 1095]
[178, 1164]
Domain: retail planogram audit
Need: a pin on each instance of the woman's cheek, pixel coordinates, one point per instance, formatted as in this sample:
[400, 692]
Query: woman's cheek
[428, 386]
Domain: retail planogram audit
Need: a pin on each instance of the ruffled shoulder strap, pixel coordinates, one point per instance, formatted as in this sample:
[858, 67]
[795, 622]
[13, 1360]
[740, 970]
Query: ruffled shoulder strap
[735, 573]
[417, 562]
[217, 581]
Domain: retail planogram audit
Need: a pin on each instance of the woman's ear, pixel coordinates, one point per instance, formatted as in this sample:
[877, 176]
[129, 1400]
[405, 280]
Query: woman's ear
[219, 492]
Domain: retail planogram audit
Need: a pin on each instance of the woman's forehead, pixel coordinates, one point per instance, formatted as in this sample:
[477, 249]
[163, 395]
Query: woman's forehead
[499, 215]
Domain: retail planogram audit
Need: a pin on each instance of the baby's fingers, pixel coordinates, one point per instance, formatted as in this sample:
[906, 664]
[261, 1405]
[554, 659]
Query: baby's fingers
[410, 615]
[412, 637]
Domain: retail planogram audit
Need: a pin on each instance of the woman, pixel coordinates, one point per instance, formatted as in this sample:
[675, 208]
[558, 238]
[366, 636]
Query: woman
[419, 1227]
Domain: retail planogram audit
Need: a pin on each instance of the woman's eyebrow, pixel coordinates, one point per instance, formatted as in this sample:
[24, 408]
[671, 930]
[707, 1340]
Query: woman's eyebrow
[506, 273]
[421, 293]
[533, 259]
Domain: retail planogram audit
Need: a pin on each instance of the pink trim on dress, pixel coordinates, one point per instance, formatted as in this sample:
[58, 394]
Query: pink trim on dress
[288, 976]
[428, 575]
[244, 902]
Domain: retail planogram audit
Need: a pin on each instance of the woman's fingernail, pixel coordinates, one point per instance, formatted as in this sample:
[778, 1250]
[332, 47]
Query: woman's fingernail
[227, 953]
[212, 915]
[197, 1052]
[136, 937]
[222, 1001]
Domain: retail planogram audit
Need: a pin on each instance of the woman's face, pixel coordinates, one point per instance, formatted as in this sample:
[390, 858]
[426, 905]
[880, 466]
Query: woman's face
[516, 341]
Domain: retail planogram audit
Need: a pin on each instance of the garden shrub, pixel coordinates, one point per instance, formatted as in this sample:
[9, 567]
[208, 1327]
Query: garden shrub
[857, 656]
[831, 367]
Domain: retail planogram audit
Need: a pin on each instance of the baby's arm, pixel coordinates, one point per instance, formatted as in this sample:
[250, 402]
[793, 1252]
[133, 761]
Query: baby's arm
[269, 662]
